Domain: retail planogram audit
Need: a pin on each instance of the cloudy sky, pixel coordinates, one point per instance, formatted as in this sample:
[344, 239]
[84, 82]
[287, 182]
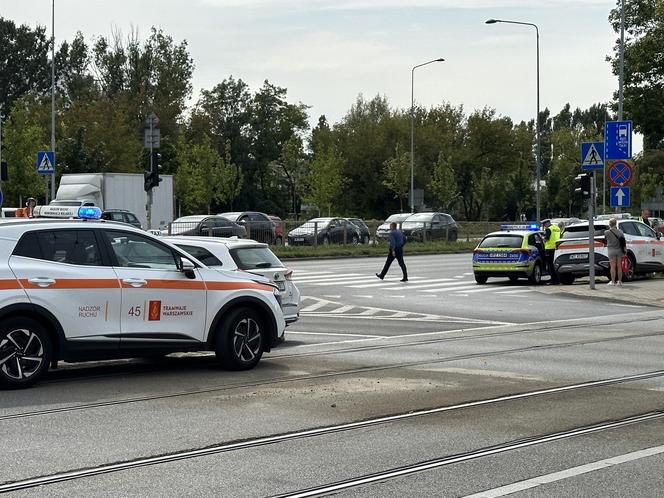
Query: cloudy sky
[326, 52]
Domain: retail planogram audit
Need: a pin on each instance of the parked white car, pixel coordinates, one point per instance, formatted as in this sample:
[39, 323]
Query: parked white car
[246, 256]
[644, 250]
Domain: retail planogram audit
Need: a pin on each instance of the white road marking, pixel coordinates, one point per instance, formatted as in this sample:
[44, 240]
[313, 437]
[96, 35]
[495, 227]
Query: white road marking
[343, 309]
[568, 473]
[364, 297]
[315, 306]
[332, 297]
[482, 289]
[518, 291]
[381, 283]
[398, 297]
[332, 334]
[313, 278]
[459, 287]
[440, 282]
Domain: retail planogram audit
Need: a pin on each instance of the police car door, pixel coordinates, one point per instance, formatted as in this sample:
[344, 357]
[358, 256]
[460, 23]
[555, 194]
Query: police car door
[160, 304]
[62, 271]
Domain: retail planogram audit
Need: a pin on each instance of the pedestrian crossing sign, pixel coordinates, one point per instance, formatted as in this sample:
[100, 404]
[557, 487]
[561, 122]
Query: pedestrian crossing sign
[46, 162]
[592, 155]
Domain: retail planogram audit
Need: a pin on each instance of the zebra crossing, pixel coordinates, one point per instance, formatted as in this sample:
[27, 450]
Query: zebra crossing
[462, 285]
[316, 306]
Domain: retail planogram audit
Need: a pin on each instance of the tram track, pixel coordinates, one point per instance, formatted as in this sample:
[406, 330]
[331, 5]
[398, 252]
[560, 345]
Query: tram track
[352, 371]
[44, 480]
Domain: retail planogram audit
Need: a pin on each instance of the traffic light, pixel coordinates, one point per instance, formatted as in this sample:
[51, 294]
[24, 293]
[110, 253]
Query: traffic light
[151, 177]
[584, 181]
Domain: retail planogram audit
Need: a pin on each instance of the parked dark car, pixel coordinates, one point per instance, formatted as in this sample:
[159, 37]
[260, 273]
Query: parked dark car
[365, 234]
[324, 231]
[121, 215]
[258, 225]
[278, 224]
[430, 226]
[208, 225]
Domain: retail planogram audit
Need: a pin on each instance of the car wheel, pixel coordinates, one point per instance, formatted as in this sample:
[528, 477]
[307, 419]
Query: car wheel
[365, 239]
[278, 241]
[25, 352]
[239, 343]
[354, 240]
[566, 279]
[453, 236]
[536, 276]
[326, 240]
[630, 274]
[481, 280]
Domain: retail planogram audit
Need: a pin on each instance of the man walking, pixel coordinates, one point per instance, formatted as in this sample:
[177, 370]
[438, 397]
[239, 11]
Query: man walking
[397, 241]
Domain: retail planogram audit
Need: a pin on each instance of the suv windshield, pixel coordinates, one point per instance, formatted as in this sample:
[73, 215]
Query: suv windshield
[502, 241]
[253, 258]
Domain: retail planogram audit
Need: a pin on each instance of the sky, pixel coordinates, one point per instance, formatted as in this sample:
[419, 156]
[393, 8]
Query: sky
[327, 52]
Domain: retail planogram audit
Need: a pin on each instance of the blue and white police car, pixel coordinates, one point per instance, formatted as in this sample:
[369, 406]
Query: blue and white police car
[516, 251]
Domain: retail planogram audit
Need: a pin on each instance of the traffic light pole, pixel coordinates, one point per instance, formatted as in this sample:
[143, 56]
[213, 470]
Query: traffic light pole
[148, 206]
[591, 232]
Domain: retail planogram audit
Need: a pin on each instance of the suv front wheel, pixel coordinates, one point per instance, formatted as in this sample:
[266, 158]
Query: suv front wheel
[25, 352]
[239, 344]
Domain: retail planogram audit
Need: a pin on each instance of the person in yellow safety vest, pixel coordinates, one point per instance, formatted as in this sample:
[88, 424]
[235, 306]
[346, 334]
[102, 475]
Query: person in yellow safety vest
[551, 235]
[645, 217]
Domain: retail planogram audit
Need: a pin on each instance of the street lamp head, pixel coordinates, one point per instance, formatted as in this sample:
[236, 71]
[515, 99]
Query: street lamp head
[491, 21]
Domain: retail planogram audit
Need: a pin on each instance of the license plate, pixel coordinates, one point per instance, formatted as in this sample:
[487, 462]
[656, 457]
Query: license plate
[299, 239]
[578, 256]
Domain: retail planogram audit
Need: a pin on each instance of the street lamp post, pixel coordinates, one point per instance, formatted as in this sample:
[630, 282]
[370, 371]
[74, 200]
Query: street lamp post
[412, 131]
[537, 121]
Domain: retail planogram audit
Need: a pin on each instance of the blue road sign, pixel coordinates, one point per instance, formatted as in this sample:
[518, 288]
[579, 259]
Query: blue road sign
[620, 196]
[618, 140]
[46, 162]
[592, 155]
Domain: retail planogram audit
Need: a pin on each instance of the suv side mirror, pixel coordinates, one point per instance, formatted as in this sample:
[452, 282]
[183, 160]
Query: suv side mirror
[187, 267]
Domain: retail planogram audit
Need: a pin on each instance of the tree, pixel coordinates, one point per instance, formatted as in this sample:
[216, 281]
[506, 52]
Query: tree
[397, 174]
[23, 63]
[443, 184]
[227, 179]
[644, 71]
[326, 180]
[196, 181]
[23, 138]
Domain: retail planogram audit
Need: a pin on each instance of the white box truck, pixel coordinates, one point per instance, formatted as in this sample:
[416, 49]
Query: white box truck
[118, 191]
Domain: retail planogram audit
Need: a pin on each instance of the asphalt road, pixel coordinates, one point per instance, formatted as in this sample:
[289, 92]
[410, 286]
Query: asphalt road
[381, 389]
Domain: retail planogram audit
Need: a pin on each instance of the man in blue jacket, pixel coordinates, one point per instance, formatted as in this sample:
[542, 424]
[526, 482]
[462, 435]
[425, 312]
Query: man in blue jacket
[397, 241]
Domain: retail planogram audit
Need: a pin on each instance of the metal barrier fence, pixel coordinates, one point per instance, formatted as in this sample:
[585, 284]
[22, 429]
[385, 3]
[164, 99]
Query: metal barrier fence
[291, 232]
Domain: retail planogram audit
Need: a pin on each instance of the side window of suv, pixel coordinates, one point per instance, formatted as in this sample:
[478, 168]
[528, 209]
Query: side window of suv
[646, 231]
[74, 247]
[135, 251]
[629, 228]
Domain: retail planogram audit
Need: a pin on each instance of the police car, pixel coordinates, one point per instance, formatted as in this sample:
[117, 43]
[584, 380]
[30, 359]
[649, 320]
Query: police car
[82, 289]
[645, 250]
[516, 251]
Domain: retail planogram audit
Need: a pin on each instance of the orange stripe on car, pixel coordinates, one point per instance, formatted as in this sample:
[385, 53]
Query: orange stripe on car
[76, 283]
[170, 284]
[237, 285]
[9, 283]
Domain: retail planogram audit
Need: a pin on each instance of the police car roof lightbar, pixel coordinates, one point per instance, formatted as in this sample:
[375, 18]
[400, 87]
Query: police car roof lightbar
[533, 227]
[83, 213]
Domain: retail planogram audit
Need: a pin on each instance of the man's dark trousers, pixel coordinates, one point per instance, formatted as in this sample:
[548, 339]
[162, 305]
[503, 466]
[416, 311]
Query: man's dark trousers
[398, 255]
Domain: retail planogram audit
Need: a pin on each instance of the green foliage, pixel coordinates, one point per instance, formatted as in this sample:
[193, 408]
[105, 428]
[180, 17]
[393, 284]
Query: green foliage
[443, 184]
[325, 180]
[397, 174]
[644, 70]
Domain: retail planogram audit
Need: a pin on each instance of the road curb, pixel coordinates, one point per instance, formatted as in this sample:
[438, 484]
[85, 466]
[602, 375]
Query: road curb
[605, 298]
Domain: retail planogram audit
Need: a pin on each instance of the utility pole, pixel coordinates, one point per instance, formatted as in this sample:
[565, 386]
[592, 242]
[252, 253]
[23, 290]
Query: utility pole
[591, 231]
[52, 102]
[152, 141]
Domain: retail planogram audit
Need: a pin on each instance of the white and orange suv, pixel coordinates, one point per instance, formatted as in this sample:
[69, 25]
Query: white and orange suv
[88, 289]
